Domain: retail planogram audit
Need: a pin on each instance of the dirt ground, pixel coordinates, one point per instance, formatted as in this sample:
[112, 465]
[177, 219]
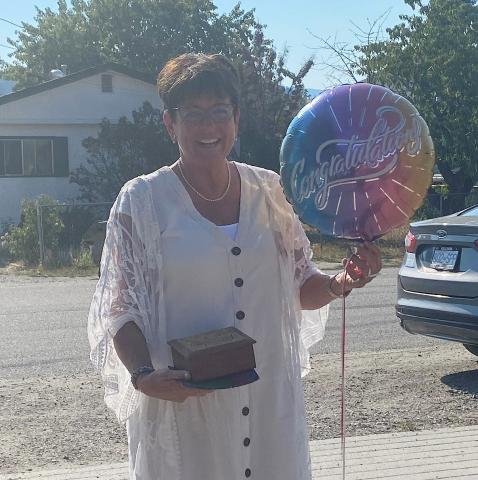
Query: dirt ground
[51, 422]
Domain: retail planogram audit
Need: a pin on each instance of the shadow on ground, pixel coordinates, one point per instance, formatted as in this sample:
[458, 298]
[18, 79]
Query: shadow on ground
[466, 382]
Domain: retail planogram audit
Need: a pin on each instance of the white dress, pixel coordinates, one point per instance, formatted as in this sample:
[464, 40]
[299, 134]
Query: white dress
[204, 280]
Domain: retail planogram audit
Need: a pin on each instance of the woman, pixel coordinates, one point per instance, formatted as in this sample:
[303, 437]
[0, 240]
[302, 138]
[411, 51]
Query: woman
[202, 245]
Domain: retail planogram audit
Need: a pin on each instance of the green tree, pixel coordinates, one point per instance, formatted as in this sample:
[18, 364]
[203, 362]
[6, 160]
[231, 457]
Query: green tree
[431, 57]
[267, 106]
[143, 35]
[121, 151]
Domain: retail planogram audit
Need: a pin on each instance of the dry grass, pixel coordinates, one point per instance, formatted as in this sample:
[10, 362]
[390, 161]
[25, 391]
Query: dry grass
[39, 271]
[333, 250]
[325, 249]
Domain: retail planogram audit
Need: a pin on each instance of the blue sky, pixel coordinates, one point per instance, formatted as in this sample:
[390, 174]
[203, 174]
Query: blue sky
[291, 24]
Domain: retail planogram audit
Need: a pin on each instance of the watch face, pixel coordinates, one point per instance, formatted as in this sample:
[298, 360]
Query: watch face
[137, 373]
[229, 381]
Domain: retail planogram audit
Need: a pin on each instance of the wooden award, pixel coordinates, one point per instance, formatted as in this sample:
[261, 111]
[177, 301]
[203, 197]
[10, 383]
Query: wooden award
[214, 354]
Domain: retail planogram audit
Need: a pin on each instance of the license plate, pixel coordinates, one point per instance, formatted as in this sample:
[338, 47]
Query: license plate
[444, 258]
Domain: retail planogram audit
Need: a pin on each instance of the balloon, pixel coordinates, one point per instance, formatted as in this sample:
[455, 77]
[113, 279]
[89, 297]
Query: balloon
[357, 161]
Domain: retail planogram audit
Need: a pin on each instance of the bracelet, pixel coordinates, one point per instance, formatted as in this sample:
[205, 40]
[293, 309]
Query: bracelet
[331, 292]
[137, 372]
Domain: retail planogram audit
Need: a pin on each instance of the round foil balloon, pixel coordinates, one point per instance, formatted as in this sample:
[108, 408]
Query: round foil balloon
[357, 161]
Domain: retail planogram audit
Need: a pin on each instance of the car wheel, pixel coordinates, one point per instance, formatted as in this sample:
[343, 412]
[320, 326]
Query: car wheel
[471, 348]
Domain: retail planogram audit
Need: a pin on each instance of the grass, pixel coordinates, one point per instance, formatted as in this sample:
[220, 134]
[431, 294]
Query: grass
[79, 266]
[332, 250]
[325, 250]
[43, 271]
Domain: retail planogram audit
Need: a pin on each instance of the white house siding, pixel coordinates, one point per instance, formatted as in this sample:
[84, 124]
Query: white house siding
[81, 102]
[14, 189]
[75, 111]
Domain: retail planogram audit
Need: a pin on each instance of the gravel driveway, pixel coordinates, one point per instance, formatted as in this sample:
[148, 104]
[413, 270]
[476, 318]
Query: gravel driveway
[55, 416]
[48, 422]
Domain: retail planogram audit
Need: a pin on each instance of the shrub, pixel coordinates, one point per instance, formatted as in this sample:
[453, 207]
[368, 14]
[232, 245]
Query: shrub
[77, 220]
[429, 209]
[22, 241]
[84, 260]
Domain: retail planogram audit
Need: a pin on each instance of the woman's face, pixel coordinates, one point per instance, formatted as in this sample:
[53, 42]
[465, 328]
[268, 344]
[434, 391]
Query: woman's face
[205, 128]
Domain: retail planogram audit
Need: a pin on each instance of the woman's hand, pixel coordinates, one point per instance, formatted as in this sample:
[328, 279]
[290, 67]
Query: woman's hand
[363, 267]
[166, 385]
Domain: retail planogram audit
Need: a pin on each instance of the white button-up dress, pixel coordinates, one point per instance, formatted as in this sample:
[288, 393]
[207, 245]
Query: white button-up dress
[209, 281]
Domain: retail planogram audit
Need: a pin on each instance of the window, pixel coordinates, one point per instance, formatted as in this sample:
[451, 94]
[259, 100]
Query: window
[472, 212]
[13, 157]
[34, 157]
[107, 83]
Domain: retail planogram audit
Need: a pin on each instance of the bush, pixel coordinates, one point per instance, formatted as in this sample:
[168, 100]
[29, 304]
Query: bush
[4, 252]
[78, 220]
[22, 241]
[429, 209]
[84, 260]
[472, 198]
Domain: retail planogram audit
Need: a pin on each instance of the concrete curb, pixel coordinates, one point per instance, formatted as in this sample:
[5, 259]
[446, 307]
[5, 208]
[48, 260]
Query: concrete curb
[448, 453]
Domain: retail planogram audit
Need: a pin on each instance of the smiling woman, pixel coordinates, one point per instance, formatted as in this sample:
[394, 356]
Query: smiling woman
[201, 246]
[201, 97]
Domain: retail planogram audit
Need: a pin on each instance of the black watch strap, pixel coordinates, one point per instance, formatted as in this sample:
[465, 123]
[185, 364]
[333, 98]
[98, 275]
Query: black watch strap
[137, 372]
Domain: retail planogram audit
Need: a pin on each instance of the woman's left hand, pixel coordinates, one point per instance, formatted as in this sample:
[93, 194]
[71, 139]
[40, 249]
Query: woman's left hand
[363, 266]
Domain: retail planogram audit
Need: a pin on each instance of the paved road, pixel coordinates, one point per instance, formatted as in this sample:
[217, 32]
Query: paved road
[43, 323]
[370, 320]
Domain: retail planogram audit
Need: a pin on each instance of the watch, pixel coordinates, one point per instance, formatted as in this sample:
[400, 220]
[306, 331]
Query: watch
[331, 292]
[137, 372]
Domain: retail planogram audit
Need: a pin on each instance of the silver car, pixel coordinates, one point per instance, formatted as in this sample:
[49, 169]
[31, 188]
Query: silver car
[438, 279]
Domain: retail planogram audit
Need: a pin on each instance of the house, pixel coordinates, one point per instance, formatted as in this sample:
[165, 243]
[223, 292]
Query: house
[42, 129]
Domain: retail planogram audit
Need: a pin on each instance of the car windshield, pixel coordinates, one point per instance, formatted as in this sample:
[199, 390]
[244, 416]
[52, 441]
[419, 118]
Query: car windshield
[472, 212]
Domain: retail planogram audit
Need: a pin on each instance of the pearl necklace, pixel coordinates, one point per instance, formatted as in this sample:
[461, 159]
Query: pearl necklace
[200, 194]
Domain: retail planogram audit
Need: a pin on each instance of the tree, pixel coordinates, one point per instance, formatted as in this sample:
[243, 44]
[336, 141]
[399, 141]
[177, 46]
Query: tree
[122, 151]
[267, 107]
[341, 62]
[432, 59]
[143, 35]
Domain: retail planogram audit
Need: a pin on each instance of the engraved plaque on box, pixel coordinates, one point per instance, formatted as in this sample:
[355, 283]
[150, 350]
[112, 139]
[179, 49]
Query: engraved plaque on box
[214, 354]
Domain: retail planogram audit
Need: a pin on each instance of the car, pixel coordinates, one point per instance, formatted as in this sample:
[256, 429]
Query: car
[438, 279]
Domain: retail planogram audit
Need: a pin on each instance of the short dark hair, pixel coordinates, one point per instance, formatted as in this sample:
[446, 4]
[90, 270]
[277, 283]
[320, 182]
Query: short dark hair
[193, 74]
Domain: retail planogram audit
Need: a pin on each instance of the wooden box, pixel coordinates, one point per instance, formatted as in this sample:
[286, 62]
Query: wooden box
[214, 354]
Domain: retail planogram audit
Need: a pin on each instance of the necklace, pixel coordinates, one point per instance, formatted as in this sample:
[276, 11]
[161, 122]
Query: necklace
[199, 194]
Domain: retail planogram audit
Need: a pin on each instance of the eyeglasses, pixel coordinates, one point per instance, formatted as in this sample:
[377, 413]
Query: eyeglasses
[195, 116]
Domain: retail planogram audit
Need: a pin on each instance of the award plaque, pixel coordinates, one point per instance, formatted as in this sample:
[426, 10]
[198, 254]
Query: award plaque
[223, 354]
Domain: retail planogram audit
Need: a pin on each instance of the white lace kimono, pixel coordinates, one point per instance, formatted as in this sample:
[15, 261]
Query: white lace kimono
[173, 272]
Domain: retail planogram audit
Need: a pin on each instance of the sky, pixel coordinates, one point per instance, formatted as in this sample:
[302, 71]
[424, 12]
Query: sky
[293, 24]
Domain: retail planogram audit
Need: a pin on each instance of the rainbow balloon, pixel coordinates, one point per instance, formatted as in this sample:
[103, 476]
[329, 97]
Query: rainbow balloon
[357, 161]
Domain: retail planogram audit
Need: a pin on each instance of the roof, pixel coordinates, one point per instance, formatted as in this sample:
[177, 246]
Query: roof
[88, 72]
